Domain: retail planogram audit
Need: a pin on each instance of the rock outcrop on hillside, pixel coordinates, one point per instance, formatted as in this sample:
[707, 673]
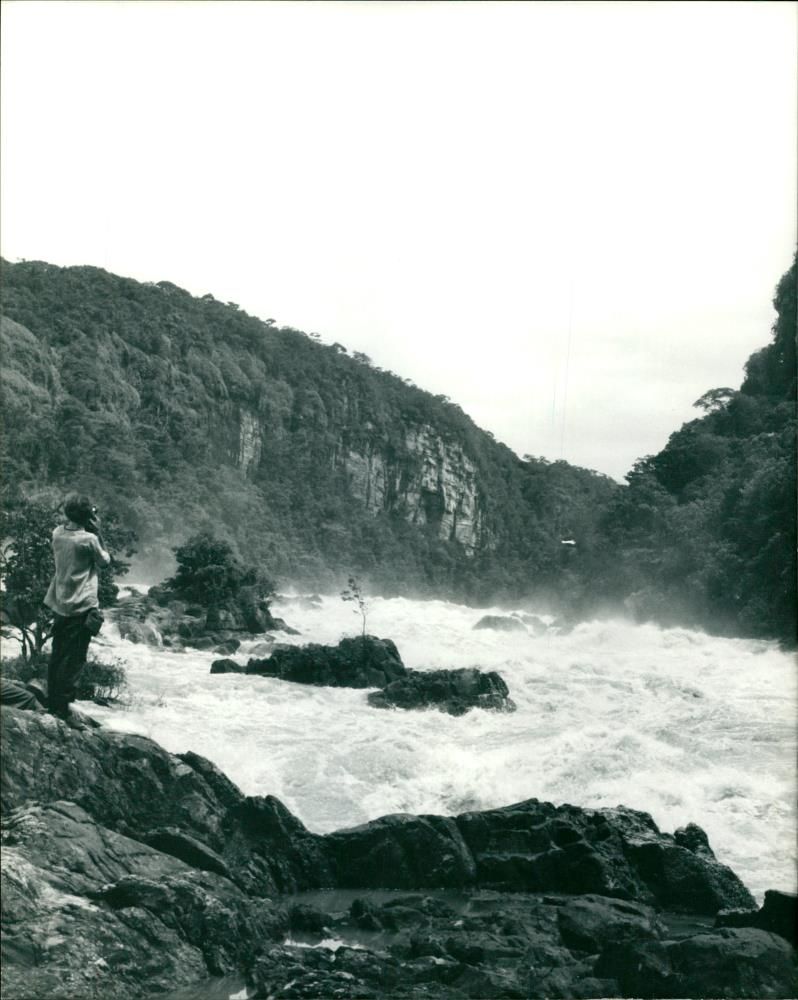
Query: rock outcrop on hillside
[128, 870]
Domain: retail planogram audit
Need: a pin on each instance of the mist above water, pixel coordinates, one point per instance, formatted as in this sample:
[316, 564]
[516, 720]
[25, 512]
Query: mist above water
[682, 725]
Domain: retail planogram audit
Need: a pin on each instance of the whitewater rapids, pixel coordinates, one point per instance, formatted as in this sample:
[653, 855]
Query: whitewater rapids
[685, 726]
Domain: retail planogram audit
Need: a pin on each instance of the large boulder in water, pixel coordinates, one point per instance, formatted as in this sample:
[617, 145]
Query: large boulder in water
[362, 662]
[452, 691]
[227, 666]
[501, 623]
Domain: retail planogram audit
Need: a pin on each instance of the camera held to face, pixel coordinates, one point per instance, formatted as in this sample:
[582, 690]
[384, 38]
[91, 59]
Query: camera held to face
[80, 510]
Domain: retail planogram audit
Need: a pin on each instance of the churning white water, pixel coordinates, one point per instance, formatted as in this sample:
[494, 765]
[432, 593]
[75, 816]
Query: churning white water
[682, 725]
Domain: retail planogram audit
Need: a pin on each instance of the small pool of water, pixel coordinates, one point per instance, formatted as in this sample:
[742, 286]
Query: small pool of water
[216, 988]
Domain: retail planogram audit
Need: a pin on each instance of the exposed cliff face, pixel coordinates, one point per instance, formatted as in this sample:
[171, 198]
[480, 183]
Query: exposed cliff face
[431, 483]
[426, 480]
[250, 432]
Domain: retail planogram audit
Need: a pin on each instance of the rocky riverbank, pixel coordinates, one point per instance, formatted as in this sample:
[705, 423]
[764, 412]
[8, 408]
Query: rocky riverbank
[162, 618]
[128, 871]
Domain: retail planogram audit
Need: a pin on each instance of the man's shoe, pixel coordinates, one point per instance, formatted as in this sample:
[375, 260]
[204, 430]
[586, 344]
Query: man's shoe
[38, 692]
[75, 723]
[69, 718]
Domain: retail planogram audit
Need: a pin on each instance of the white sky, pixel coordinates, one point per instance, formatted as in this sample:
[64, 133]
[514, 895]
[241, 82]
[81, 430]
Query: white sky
[449, 187]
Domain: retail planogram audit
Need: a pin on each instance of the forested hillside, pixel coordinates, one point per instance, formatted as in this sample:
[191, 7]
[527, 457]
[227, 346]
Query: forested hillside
[705, 532]
[177, 411]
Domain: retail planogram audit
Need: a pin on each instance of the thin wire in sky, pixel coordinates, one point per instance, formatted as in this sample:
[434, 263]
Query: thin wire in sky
[567, 364]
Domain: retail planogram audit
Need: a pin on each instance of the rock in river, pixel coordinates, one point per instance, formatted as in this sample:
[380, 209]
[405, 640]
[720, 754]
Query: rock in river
[362, 662]
[452, 691]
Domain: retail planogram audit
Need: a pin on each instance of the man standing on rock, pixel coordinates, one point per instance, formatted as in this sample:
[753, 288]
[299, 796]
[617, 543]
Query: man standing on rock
[79, 553]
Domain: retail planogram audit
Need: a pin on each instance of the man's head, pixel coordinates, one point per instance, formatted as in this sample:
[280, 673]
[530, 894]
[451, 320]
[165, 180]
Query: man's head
[78, 508]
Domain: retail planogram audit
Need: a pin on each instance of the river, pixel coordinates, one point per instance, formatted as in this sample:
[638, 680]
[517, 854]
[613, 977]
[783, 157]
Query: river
[685, 726]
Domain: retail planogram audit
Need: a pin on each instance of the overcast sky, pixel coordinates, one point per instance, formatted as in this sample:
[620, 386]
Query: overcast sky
[569, 218]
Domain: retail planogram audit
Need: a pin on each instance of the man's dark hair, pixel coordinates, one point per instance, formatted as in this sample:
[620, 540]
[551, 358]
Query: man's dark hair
[78, 508]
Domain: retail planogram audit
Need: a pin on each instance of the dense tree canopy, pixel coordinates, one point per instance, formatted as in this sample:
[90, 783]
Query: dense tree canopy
[209, 572]
[705, 532]
[141, 395]
[136, 392]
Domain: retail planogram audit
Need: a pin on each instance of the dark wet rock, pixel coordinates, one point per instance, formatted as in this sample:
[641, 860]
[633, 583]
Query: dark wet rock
[365, 915]
[694, 839]
[362, 662]
[371, 662]
[131, 785]
[452, 691]
[728, 962]
[779, 914]
[592, 946]
[590, 923]
[309, 972]
[302, 917]
[227, 646]
[173, 841]
[201, 642]
[265, 843]
[19, 695]
[613, 852]
[91, 913]
[404, 852]
[682, 871]
[227, 666]
[129, 871]
[501, 623]
[161, 618]
[279, 625]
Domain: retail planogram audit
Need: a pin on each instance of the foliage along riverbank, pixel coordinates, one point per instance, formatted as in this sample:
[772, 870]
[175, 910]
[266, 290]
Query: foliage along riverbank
[177, 411]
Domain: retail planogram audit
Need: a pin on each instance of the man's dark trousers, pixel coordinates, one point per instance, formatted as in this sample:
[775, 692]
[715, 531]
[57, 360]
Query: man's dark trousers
[71, 641]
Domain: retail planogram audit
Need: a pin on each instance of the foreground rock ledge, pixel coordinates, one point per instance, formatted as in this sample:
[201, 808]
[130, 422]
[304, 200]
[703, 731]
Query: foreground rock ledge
[128, 871]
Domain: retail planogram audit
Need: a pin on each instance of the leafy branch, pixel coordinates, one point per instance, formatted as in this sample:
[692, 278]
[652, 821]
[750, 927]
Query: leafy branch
[354, 593]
